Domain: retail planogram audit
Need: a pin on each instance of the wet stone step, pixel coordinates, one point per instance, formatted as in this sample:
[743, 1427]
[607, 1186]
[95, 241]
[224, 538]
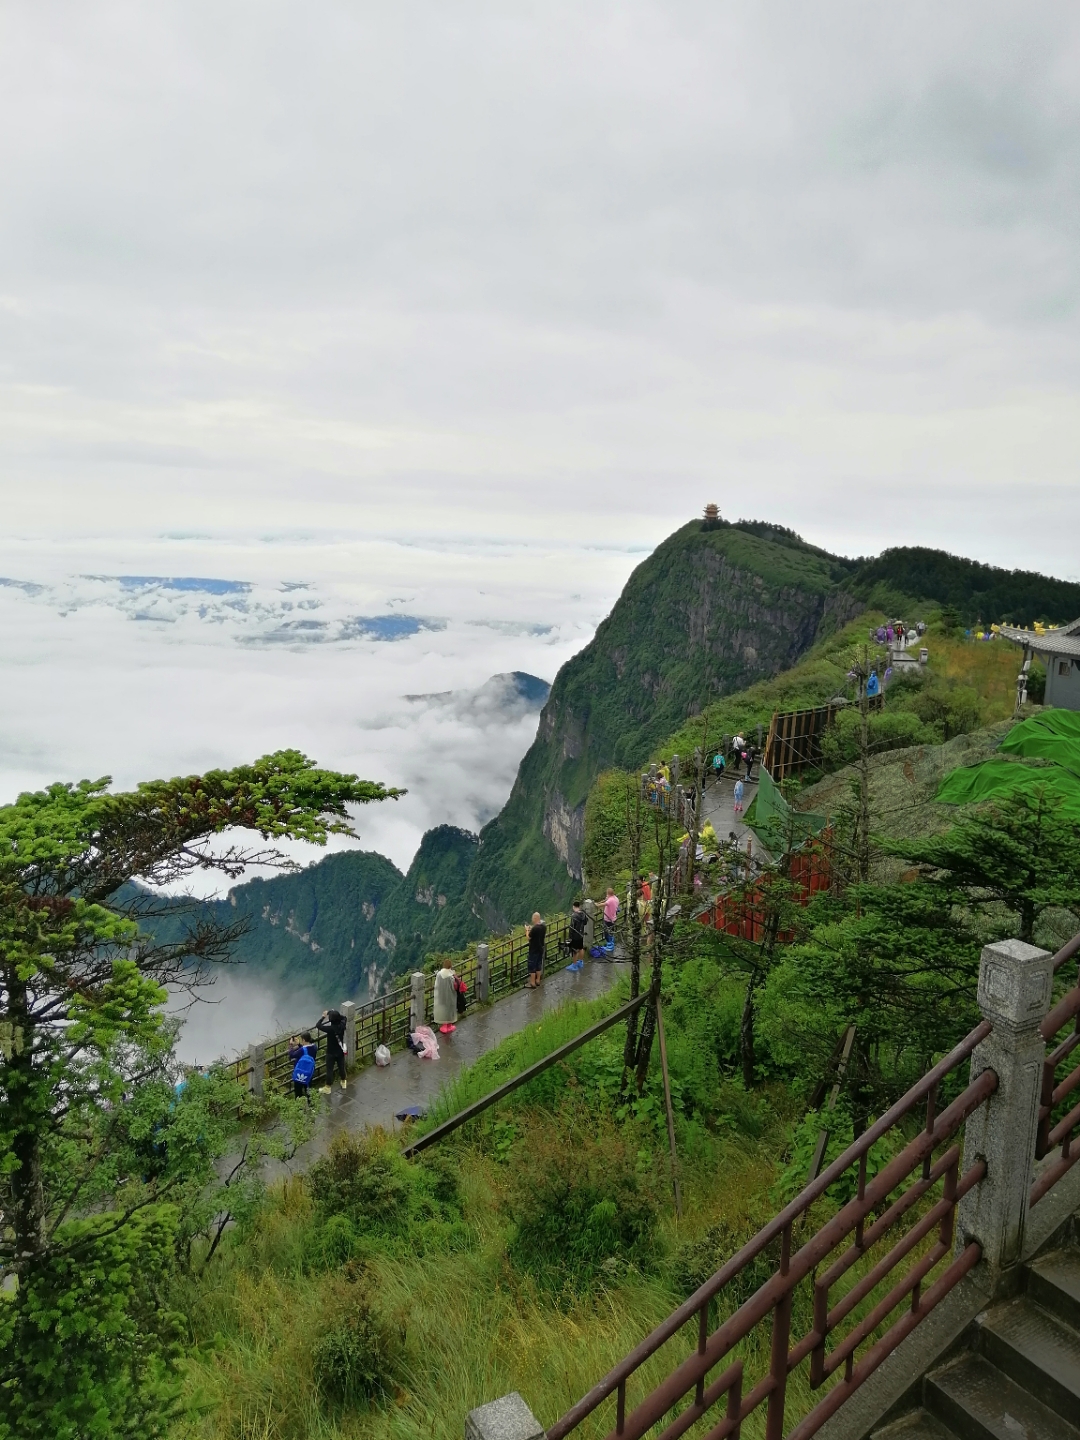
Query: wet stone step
[1036, 1350]
[979, 1402]
[1054, 1281]
[918, 1425]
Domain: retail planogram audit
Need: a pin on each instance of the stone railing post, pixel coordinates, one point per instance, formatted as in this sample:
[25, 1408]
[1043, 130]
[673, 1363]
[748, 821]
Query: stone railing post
[348, 1009]
[256, 1068]
[417, 1001]
[483, 974]
[506, 1419]
[1015, 982]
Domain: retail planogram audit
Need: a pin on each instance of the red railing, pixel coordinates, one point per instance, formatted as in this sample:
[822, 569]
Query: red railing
[745, 912]
[1061, 1131]
[844, 1243]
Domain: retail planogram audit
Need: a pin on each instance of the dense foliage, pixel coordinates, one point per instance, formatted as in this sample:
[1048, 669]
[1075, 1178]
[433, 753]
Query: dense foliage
[977, 592]
[94, 1135]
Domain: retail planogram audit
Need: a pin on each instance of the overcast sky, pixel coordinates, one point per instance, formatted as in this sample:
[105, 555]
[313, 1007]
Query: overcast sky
[502, 270]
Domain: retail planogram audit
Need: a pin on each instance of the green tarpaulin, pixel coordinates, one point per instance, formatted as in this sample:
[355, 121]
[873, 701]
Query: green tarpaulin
[777, 826]
[998, 779]
[1053, 735]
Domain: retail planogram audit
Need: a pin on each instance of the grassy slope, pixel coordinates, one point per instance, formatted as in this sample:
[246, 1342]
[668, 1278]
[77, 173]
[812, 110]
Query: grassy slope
[707, 614]
[475, 1327]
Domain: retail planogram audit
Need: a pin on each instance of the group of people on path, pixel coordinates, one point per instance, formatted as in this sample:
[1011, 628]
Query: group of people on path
[449, 999]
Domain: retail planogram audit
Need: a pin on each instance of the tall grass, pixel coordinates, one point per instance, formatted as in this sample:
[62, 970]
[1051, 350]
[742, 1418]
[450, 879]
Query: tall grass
[475, 1328]
[517, 1053]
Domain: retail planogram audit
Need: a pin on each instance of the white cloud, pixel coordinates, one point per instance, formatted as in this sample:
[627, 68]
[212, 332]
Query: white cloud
[109, 671]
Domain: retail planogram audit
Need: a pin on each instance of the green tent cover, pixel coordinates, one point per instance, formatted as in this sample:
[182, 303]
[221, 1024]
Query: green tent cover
[1000, 778]
[1053, 735]
[776, 825]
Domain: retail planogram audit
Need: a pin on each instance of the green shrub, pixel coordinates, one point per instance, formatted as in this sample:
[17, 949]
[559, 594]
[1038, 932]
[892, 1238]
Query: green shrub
[88, 1346]
[696, 1261]
[333, 1242]
[887, 730]
[362, 1177]
[951, 709]
[582, 1197]
[359, 1359]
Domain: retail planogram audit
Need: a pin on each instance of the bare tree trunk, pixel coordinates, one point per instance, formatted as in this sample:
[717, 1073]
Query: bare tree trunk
[864, 790]
[27, 1215]
[746, 1035]
[634, 827]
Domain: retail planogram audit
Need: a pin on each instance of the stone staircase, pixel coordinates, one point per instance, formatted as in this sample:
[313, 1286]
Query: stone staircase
[1015, 1373]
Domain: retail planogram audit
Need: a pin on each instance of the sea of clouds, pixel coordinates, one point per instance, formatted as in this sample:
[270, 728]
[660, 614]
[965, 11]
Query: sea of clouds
[170, 655]
[166, 656]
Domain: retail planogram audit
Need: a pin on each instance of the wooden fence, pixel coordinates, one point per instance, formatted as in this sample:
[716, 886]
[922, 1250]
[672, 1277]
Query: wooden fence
[794, 741]
[387, 1019]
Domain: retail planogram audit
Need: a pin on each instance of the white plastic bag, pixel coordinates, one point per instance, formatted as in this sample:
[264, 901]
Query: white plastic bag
[382, 1055]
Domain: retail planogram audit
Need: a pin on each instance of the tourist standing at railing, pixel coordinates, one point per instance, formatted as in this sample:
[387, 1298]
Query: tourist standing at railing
[332, 1025]
[577, 937]
[537, 933]
[611, 910]
[445, 998]
[302, 1052]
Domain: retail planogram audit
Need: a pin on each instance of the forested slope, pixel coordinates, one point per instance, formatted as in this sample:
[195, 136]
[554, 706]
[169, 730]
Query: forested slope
[343, 925]
[710, 612]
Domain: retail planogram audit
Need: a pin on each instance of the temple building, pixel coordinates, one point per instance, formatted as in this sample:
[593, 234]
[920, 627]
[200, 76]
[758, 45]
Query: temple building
[1059, 649]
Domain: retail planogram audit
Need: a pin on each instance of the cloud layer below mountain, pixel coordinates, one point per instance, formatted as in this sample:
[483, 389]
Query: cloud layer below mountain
[374, 656]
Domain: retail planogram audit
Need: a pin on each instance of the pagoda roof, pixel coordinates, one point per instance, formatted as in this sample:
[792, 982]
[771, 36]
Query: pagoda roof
[1061, 640]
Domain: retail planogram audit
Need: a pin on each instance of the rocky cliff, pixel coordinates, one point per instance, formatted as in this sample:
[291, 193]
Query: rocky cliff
[342, 926]
[708, 613]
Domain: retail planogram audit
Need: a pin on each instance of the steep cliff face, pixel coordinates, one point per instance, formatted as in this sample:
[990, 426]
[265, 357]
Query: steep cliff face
[708, 613]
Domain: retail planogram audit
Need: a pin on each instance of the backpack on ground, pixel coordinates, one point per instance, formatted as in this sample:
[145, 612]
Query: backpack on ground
[304, 1069]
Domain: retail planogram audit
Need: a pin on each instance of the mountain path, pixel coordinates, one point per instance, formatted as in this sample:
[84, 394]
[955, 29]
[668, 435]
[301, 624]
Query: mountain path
[375, 1094]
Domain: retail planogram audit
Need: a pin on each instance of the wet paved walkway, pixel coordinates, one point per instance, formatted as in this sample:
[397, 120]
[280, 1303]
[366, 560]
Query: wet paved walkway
[719, 807]
[375, 1094]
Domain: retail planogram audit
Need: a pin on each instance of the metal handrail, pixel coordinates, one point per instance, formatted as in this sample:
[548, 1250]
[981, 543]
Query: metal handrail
[385, 1018]
[477, 1107]
[1054, 1091]
[776, 1293]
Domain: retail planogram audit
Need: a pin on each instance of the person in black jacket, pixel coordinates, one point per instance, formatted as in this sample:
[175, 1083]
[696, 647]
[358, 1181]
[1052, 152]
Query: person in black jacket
[332, 1025]
[577, 931]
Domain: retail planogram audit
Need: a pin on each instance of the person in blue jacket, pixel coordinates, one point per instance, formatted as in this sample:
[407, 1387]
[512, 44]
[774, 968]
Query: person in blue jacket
[302, 1053]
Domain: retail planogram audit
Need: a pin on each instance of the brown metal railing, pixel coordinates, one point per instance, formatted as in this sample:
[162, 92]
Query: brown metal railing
[386, 1020]
[1062, 1130]
[844, 1244]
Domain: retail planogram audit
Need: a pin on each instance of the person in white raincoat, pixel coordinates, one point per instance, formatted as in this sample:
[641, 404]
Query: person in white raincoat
[445, 999]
